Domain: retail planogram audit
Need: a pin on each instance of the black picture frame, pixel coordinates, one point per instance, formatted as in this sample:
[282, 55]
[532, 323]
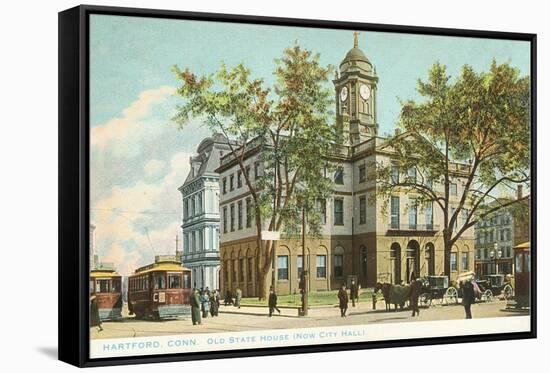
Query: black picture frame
[74, 206]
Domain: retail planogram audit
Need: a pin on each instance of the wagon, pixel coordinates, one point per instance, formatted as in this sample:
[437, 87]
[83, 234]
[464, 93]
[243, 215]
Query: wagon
[437, 288]
[494, 285]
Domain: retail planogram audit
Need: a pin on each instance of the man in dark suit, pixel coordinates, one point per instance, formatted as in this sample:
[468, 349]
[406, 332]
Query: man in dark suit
[468, 297]
[343, 300]
[353, 293]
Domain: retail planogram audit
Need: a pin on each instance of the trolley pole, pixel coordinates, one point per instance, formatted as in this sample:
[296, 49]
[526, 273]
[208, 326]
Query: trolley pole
[304, 267]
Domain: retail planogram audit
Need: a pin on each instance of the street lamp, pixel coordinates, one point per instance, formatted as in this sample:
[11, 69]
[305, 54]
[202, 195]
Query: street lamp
[495, 255]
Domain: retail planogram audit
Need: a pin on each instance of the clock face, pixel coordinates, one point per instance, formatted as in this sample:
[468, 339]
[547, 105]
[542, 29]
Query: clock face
[344, 94]
[364, 91]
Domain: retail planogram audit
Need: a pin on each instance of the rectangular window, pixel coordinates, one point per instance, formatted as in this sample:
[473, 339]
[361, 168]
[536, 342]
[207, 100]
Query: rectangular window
[193, 206]
[394, 212]
[232, 217]
[201, 240]
[338, 265]
[186, 243]
[338, 211]
[256, 170]
[453, 189]
[282, 267]
[362, 210]
[239, 179]
[411, 173]
[299, 266]
[465, 213]
[225, 220]
[412, 213]
[199, 203]
[247, 171]
[321, 266]
[248, 212]
[174, 281]
[465, 261]
[322, 210]
[185, 207]
[231, 182]
[240, 214]
[394, 174]
[454, 262]
[362, 174]
[160, 281]
[224, 185]
[519, 263]
[339, 176]
[430, 216]
[453, 210]
[428, 182]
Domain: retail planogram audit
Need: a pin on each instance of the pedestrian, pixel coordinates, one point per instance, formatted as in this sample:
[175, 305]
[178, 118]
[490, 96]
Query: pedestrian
[228, 298]
[343, 300]
[353, 293]
[272, 302]
[95, 320]
[195, 307]
[468, 297]
[205, 304]
[415, 294]
[214, 303]
[238, 297]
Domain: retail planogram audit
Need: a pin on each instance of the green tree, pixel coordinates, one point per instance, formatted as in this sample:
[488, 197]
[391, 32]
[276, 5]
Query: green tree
[471, 135]
[290, 124]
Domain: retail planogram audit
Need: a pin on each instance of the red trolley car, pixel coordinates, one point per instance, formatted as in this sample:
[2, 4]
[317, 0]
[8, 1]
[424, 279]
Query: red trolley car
[522, 274]
[105, 284]
[160, 290]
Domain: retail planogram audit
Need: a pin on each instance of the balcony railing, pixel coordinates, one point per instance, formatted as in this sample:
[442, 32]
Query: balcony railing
[413, 227]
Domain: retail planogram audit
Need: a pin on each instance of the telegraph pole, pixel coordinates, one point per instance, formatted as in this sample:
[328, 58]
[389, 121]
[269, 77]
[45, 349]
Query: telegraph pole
[304, 267]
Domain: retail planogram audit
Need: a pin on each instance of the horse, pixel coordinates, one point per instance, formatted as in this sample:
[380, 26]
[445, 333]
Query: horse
[394, 294]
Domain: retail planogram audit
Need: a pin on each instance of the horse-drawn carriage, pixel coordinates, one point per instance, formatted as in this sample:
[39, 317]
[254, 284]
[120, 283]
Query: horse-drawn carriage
[437, 288]
[494, 285]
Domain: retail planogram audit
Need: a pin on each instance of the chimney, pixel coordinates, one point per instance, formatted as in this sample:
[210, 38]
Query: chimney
[520, 191]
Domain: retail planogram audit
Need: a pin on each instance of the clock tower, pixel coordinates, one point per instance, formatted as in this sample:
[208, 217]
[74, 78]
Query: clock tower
[356, 84]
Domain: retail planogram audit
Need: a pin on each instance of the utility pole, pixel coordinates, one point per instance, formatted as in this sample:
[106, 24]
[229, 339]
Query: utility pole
[304, 267]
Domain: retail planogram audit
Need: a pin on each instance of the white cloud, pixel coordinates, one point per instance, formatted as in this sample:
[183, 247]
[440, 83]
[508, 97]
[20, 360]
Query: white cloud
[138, 161]
[154, 167]
[123, 127]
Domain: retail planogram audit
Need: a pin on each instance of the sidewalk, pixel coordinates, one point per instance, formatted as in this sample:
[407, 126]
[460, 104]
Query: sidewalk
[316, 311]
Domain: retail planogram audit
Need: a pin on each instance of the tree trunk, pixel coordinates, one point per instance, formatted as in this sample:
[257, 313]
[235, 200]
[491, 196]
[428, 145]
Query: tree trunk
[447, 245]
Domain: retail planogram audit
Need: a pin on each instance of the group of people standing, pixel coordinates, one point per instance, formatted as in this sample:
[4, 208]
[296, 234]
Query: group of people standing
[233, 299]
[204, 302]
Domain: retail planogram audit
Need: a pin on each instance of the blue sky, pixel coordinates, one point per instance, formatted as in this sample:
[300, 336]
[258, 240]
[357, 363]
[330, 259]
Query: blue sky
[138, 158]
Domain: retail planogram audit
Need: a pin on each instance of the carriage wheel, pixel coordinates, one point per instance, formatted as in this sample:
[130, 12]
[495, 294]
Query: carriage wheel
[487, 296]
[451, 296]
[425, 300]
[508, 292]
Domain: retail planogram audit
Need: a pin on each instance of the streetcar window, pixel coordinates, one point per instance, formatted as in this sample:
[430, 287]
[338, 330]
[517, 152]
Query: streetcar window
[186, 280]
[160, 282]
[102, 286]
[528, 262]
[519, 263]
[174, 281]
[116, 286]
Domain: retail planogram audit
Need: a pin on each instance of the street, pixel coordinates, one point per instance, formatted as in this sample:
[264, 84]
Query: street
[255, 318]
